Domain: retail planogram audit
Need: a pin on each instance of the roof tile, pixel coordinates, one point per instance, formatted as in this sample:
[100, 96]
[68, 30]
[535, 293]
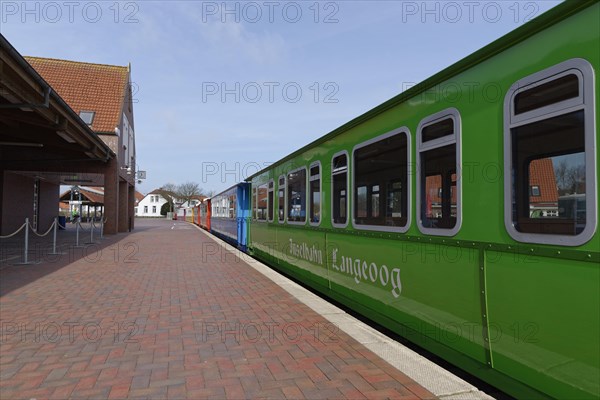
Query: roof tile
[87, 87]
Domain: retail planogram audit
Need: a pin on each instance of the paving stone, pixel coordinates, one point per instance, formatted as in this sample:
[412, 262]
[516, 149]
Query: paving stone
[179, 321]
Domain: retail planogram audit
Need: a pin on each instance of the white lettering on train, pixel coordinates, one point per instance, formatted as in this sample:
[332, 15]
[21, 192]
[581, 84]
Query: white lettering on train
[303, 251]
[363, 270]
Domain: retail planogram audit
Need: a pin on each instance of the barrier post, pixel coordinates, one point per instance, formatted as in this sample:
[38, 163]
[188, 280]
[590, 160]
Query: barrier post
[25, 261]
[26, 251]
[92, 226]
[77, 245]
[54, 235]
[54, 253]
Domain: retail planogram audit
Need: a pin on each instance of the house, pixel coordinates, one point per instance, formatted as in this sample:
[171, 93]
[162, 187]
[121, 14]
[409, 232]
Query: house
[151, 204]
[85, 201]
[543, 189]
[138, 197]
[182, 206]
[101, 96]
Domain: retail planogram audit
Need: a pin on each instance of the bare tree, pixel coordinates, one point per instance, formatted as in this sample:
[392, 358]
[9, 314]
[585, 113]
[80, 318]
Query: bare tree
[187, 191]
[570, 178]
[169, 192]
[561, 171]
[577, 179]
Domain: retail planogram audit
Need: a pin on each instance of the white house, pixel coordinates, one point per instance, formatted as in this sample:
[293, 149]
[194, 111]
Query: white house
[182, 207]
[150, 205]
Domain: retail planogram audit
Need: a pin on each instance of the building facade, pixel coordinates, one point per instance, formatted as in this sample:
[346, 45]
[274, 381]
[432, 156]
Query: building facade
[150, 205]
[102, 97]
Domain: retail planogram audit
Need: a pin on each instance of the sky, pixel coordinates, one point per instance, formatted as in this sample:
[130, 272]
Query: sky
[224, 88]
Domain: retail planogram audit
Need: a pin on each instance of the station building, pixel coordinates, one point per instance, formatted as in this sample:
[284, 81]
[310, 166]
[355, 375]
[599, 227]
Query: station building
[64, 123]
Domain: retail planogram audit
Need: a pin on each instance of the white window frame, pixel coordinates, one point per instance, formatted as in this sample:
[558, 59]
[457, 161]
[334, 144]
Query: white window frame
[284, 176]
[308, 205]
[423, 147]
[586, 102]
[266, 184]
[382, 228]
[271, 189]
[348, 190]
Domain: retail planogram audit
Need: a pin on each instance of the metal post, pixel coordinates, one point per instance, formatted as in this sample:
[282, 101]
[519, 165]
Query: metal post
[91, 233]
[26, 241]
[54, 253]
[77, 235]
[26, 251]
[54, 235]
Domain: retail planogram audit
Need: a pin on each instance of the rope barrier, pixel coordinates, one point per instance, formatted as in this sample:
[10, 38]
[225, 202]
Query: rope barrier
[16, 232]
[47, 232]
[54, 228]
[82, 228]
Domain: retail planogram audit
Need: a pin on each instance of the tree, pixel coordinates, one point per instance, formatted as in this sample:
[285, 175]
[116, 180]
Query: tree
[570, 179]
[165, 208]
[187, 191]
[169, 192]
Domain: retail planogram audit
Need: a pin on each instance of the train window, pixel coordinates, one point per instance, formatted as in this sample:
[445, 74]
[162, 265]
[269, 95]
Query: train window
[555, 91]
[375, 201]
[270, 202]
[232, 204]
[315, 193]
[281, 199]
[381, 182]
[439, 130]
[262, 200]
[438, 189]
[549, 161]
[339, 189]
[296, 196]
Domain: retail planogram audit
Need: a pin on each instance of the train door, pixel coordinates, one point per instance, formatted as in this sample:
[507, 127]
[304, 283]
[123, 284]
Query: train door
[243, 212]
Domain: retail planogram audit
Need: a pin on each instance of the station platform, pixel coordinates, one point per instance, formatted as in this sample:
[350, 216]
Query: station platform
[169, 311]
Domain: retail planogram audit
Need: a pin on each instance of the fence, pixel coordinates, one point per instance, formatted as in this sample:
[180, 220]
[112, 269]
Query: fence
[54, 229]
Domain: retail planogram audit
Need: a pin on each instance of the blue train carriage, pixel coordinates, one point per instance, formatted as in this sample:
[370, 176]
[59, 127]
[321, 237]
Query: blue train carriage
[462, 214]
[230, 214]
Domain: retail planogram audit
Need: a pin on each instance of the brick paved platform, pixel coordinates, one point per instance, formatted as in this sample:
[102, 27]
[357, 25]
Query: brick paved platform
[160, 314]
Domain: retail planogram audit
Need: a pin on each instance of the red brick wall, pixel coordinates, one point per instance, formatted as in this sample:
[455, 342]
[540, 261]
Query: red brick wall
[17, 201]
[49, 195]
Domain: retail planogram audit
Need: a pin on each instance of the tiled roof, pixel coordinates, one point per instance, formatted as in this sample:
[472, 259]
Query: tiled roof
[138, 196]
[86, 195]
[95, 195]
[541, 173]
[87, 87]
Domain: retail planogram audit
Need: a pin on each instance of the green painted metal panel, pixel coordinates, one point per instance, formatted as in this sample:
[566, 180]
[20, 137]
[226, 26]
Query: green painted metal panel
[524, 316]
[544, 321]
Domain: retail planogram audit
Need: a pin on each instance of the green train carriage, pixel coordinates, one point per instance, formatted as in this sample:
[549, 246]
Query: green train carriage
[464, 220]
